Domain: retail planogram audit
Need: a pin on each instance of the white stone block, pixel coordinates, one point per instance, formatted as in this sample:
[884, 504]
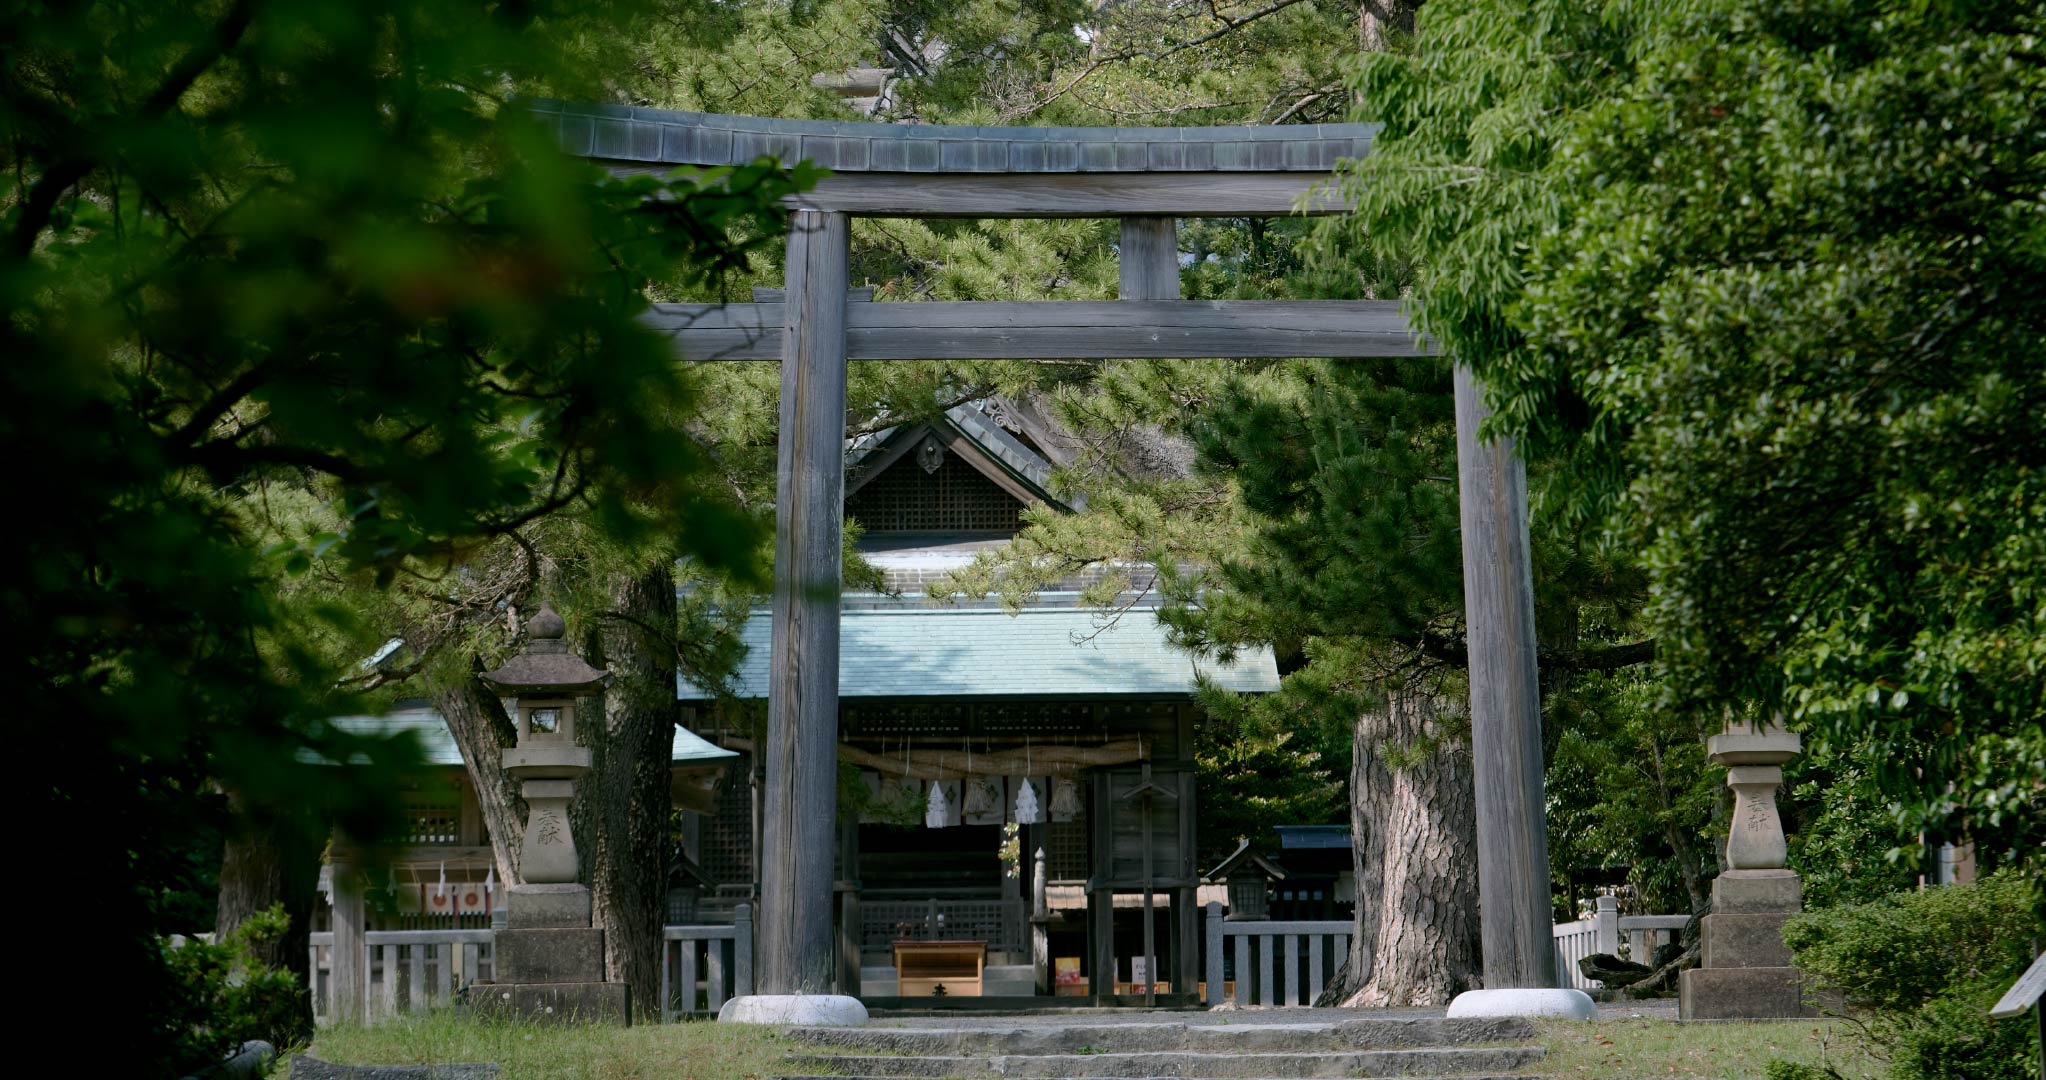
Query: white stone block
[1557, 1004]
[798, 1010]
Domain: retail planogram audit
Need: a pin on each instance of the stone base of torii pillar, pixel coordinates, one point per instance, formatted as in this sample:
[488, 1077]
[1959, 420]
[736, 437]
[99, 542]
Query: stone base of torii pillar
[1744, 970]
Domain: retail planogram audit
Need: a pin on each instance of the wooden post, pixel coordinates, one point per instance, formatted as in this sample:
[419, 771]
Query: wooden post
[1607, 917]
[1186, 947]
[1100, 896]
[742, 950]
[849, 928]
[1214, 955]
[802, 712]
[348, 978]
[1506, 708]
[1150, 258]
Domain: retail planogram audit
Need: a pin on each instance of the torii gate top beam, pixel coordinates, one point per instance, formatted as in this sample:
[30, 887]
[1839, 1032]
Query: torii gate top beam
[948, 170]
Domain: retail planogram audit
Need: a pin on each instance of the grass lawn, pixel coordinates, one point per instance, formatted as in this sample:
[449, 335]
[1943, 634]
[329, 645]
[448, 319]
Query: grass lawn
[699, 1050]
[702, 1050]
[1653, 1047]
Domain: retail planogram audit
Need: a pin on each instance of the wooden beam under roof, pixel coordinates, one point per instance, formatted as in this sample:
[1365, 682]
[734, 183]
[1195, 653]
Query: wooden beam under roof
[1059, 330]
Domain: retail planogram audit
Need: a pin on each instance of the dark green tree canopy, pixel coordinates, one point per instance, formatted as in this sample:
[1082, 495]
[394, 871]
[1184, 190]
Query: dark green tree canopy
[1763, 276]
[311, 251]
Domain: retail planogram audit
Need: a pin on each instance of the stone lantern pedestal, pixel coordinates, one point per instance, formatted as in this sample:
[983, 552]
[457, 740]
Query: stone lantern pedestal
[1744, 971]
[548, 961]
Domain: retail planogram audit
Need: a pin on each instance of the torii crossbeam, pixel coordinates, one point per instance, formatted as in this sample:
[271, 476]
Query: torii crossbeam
[1147, 177]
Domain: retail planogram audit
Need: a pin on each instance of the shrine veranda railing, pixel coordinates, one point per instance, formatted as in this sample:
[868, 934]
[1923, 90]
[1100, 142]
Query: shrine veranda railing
[1002, 923]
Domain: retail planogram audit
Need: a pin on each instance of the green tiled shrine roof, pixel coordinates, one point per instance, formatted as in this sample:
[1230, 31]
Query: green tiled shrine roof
[986, 652]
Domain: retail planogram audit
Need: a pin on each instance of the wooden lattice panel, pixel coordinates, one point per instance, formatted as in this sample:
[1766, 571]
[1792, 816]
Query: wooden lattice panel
[1065, 849]
[726, 838]
[953, 498]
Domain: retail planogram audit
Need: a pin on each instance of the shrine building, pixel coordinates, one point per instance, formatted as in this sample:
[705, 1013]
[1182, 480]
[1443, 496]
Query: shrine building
[971, 738]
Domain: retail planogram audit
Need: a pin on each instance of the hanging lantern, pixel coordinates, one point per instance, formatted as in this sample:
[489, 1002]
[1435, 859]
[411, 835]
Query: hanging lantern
[983, 796]
[1026, 804]
[936, 810]
[1065, 799]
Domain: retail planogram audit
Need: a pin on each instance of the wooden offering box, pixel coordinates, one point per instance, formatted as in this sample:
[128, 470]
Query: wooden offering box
[923, 966]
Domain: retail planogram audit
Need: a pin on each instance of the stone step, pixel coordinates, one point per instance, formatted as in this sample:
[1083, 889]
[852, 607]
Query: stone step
[1454, 1076]
[1362, 1034]
[1420, 1062]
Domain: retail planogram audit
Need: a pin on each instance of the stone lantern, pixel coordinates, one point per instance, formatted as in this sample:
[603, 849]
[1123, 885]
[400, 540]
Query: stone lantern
[1250, 878]
[1744, 968]
[549, 959]
[547, 683]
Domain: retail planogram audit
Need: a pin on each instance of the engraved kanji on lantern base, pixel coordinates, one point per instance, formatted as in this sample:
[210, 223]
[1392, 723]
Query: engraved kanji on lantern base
[548, 962]
[1744, 970]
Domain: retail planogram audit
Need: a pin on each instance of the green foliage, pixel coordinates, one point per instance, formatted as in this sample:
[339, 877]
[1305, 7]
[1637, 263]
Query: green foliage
[1629, 786]
[220, 996]
[1843, 832]
[295, 297]
[1794, 1070]
[1927, 965]
[1254, 774]
[1760, 275]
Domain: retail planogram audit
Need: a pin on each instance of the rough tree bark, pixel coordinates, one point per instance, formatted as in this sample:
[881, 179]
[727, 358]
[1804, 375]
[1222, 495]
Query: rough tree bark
[270, 859]
[623, 802]
[1414, 813]
[481, 729]
[1370, 810]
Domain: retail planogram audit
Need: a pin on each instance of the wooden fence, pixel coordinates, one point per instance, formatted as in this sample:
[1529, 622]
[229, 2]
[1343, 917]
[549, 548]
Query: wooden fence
[407, 970]
[1256, 962]
[1634, 937]
[1275, 963]
[726, 964]
[411, 970]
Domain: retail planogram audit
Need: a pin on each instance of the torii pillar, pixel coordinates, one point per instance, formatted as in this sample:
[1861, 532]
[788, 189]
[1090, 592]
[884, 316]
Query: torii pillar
[1514, 916]
[800, 830]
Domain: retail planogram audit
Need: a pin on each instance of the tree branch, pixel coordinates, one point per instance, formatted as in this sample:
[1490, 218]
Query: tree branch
[70, 169]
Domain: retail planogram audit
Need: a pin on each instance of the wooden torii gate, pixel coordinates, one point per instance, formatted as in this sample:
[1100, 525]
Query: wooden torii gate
[1147, 177]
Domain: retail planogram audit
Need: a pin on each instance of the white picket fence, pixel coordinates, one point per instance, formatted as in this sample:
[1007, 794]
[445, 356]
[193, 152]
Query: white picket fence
[1257, 962]
[411, 970]
[1634, 937]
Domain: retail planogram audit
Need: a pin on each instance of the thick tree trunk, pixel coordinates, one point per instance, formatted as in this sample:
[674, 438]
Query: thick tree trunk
[482, 731]
[270, 860]
[1415, 853]
[1427, 947]
[623, 803]
[1371, 788]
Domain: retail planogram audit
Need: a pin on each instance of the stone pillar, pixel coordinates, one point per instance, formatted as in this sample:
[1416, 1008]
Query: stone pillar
[1040, 923]
[1744, 972]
